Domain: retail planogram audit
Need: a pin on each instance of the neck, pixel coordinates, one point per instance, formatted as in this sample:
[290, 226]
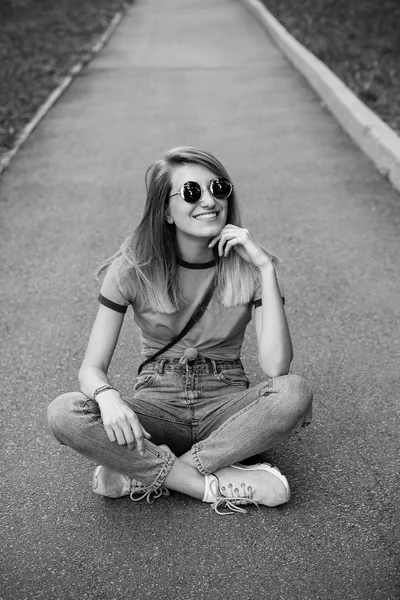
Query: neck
[196, 251]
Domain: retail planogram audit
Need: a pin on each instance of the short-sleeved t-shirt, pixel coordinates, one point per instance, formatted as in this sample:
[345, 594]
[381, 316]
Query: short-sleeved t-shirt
[217, 335]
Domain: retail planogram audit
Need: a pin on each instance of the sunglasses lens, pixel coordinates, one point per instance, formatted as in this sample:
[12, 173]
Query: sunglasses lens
[221, 188]
[191, 192]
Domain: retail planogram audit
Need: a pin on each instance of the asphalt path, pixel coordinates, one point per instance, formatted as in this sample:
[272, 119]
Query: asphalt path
[202, 73]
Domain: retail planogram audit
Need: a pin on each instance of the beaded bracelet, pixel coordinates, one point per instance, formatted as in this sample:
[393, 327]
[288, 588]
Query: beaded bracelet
[101, 389]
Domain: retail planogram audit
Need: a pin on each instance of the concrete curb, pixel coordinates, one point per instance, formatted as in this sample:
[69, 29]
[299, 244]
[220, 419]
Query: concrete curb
[377, 140]
[60, 89]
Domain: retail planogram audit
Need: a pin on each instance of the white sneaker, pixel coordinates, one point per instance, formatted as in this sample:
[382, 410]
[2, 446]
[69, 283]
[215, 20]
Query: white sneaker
[111, 484]
[246, 484]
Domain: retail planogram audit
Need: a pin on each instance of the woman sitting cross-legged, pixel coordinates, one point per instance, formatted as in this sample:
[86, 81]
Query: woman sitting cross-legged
[191, 418]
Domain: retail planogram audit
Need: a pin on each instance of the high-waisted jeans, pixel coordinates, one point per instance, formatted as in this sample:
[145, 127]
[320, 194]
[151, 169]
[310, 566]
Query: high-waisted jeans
[205, 406]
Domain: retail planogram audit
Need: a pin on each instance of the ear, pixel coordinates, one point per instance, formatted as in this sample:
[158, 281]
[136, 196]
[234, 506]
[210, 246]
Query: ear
[168, 217]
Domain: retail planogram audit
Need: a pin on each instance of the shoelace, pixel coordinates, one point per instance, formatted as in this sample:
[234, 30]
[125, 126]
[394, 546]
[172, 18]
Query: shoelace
[145, 492]
[232, 499]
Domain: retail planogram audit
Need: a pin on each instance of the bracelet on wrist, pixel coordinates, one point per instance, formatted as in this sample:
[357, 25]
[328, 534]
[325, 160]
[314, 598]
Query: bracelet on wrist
[100, 390]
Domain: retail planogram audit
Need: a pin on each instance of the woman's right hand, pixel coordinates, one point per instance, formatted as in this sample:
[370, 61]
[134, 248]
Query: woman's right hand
[121, 422]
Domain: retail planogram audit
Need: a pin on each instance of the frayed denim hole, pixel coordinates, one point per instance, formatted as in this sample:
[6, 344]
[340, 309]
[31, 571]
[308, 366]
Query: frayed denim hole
[267, 387]
[91, 409]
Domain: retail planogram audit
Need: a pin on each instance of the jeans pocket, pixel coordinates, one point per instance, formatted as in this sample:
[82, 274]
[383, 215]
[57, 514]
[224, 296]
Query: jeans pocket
[144, 380]
[234, 377]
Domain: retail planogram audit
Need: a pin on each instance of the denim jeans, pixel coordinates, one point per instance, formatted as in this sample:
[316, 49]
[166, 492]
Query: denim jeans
[205, 406]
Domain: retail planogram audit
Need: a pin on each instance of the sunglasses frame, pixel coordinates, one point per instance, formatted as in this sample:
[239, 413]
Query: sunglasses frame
[208, 188]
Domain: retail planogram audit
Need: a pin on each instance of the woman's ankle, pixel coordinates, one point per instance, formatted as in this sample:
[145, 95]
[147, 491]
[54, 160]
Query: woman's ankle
[185, 478]
[188, 459]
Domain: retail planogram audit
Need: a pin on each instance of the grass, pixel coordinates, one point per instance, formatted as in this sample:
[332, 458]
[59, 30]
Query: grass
[40, 40]
[359, 40]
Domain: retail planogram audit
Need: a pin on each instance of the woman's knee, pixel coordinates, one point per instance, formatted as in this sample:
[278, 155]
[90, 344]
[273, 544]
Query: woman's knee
[61, 411]
[297, 391]
[300, 387]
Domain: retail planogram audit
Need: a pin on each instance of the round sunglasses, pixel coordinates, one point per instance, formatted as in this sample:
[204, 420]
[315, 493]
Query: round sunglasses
[220, 188]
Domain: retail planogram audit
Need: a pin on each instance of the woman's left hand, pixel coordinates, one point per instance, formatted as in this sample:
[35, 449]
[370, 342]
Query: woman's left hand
[242, 242]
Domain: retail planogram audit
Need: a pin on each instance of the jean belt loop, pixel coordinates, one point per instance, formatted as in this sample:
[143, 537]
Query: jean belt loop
[161, 365]
[214, 366]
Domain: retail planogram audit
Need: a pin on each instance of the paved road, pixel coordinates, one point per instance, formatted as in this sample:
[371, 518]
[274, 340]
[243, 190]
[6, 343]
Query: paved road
[202, 72]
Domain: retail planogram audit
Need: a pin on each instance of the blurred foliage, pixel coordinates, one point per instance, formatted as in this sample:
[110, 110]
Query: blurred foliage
[40, 40]
[358, 39]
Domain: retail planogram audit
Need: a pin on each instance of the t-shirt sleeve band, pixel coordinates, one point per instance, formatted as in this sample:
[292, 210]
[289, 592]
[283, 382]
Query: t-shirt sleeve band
[258, 302]
[113, 305]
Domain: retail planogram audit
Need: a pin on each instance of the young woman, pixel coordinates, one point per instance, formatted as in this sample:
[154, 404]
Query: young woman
[191, 417]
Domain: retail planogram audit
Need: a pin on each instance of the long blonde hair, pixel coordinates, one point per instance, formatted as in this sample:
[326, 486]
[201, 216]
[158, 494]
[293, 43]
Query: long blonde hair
[151, 252]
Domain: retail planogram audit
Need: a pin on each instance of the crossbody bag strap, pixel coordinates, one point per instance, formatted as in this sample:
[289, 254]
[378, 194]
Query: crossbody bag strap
[198, 313]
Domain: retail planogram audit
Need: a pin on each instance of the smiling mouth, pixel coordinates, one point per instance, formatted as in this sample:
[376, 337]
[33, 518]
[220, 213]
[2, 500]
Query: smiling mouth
[206, 216]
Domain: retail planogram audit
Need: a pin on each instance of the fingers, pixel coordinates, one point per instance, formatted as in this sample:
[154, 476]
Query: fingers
[127, 430]
[225, 245]
[124, 436]
[228, 246]
[110, 433]
[229, 231]
[220, 239]
[127, 438]
[136, 434]
[214, 241]
[146, 434]
[229, 237]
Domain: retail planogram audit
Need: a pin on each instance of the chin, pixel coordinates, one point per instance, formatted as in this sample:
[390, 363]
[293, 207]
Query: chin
[210, 231]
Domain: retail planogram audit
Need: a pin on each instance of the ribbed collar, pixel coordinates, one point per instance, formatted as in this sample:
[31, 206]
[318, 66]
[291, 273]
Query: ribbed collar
[188, 265]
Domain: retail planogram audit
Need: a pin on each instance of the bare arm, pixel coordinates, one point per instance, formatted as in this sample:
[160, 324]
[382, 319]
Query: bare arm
[274, 343]
[120, 422]
[275, 352]
[102, 343]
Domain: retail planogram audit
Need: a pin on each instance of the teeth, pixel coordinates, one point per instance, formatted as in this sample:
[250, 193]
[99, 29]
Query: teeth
[207, 216]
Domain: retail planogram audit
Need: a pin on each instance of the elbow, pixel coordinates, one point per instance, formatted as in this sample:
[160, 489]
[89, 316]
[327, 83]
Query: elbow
[276, 368]
[278, 372]
[81, 375]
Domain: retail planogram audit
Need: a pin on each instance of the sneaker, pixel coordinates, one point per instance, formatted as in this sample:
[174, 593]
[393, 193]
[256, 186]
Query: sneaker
[246, 484]
[111, 484]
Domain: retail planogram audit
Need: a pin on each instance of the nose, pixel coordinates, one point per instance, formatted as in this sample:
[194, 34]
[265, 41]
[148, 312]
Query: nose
[207, 200]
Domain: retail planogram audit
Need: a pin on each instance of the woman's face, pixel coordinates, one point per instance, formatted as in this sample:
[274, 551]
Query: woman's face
[207, 217]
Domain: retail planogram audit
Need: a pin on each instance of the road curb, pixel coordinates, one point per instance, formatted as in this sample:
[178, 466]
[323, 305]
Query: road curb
[59, 90]
[377, 140]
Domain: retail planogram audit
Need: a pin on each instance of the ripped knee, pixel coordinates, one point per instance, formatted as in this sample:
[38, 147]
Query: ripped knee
[294, 391]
